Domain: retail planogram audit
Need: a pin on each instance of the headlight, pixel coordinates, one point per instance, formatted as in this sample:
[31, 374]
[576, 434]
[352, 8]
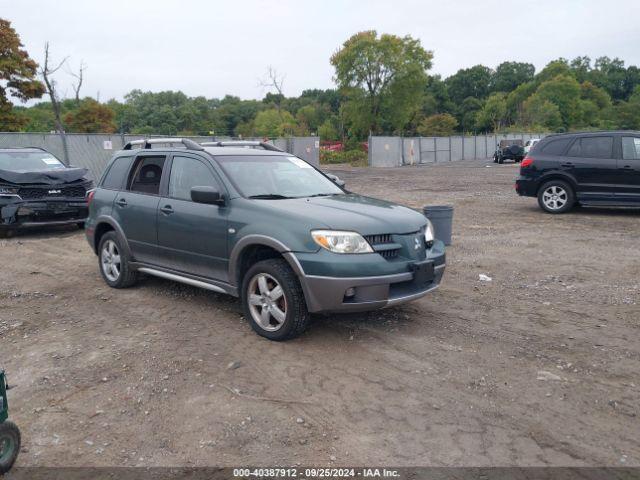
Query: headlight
[429, 235]
[341, 242]
[8, 191]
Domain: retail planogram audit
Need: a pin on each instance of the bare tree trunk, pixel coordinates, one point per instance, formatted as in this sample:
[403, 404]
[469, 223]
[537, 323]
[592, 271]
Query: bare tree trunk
[79, 77]
[276, 82]
[47, 71]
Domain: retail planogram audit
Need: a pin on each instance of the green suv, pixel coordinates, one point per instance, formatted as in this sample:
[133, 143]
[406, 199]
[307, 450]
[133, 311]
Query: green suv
[249, 220]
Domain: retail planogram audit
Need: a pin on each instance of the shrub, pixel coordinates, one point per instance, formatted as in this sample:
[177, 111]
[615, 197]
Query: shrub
[356, 158]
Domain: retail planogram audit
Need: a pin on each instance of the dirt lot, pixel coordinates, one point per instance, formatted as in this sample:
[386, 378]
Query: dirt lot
[537, 367]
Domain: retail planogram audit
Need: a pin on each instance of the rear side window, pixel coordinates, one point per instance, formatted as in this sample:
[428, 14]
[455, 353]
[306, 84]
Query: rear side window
[146, 174]
[187, 173]
[592, 147]
[114, 179]
[631, 148]
[556, 147]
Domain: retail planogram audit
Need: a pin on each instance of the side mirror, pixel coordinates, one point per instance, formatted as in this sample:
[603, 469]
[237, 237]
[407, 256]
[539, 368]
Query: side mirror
[208, 195]
[335, 179]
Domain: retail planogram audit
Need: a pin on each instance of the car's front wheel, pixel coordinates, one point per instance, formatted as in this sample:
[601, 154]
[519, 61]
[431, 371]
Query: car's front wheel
[114, 262]
[273, 300]
[9, 445]
[556, 196]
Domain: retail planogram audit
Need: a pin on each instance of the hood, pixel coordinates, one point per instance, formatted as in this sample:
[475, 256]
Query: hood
[365, 215]
[47, 177]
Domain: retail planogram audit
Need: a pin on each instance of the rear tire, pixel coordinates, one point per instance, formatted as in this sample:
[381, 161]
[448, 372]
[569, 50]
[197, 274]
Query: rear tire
[6, 232]
[9, 445]
[556, 196]
[500, 159]
[273, 301]
[114, 263]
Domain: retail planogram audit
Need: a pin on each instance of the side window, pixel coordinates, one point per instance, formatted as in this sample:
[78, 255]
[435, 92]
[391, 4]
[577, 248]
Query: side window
[556, 147]
[631, 148]
[146, 174]
[592, 147]
[187, 173]
[114, 178]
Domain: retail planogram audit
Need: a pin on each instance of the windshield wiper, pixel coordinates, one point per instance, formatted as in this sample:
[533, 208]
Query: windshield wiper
[324, 195]
[269, 196]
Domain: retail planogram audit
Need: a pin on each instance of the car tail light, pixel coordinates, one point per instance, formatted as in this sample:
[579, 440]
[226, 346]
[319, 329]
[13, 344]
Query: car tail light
[527, 162]
[90, 195]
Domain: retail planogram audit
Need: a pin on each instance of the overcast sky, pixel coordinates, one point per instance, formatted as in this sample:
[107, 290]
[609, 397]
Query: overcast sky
[213, 48]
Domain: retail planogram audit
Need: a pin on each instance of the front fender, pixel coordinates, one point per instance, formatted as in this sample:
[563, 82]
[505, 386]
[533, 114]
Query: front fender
[256, 239]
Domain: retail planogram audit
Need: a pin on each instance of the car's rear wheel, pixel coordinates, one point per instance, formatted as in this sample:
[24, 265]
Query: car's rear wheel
[500, 159]
[114, 262]
[9, 445]
[273, 300]
[556, 196]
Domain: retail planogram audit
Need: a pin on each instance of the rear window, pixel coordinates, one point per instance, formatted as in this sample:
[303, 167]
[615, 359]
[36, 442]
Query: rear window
[556, 147]
[631, 148]
[114, 179]
[146, 174]
[592, 147]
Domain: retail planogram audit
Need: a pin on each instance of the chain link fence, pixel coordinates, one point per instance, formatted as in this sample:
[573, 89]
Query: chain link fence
[93, 151]
[398, 151]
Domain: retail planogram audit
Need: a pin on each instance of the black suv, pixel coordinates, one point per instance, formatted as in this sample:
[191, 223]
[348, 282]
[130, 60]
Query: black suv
[509, 150]
[38, 189]
[593, 169]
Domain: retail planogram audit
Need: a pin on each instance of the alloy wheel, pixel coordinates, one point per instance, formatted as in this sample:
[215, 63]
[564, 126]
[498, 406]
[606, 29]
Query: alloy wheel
[555, 197]
[267, 302]
[111, 261]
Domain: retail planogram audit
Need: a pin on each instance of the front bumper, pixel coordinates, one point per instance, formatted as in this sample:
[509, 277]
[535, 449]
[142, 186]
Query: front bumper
[328, 293]
[27, 213]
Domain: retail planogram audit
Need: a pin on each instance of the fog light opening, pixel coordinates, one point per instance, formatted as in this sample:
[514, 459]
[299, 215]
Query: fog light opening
[350, 292]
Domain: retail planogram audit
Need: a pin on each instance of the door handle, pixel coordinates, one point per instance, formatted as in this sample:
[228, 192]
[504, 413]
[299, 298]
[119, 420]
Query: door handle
[122, 202]
[567, 164]
[627, 167]
[167, 209]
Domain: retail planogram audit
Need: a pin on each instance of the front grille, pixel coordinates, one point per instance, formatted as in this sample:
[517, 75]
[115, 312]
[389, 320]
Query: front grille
[379, 239]
[38, 193]
[379, 242]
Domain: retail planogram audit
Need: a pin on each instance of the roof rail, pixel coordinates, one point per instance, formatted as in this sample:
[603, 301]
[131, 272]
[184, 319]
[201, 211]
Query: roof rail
[242, 143]
[147, 142]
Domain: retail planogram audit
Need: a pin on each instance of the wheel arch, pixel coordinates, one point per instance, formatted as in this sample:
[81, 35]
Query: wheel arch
[250, 246]
[557, 176]
[106, 224]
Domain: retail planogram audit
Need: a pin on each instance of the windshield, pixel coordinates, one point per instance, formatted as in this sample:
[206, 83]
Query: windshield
[29, 161]
[274, 177]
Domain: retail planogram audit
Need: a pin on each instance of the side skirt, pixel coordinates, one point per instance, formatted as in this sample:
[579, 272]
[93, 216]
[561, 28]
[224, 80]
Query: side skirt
[187, 279]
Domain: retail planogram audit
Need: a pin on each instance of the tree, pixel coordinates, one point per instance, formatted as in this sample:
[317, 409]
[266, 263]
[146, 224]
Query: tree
[470, 82]
[17, 77]
[553, 69]
[493, 113]
[539, 112]
[439, 125]
[380, 75]
[271, 123]
[47, 72]
[563, 91]
[509, 75]
[91, 117]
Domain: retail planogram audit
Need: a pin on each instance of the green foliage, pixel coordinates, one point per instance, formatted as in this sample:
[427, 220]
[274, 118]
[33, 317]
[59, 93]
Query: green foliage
[438, 125]
[328, 130]
[469, 82]
[17, 78]
[509, 75]
[91, 117]
[382, 79]
[493, 113]
[273, 123]
[541, 114]
[563, 91]
[357, 158]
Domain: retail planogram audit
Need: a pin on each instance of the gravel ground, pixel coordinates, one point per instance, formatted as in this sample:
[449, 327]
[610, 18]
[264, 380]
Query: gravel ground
[537, 367]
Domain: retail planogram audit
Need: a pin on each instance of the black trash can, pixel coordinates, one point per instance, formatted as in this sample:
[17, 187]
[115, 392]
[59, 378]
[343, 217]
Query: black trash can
[441, 216]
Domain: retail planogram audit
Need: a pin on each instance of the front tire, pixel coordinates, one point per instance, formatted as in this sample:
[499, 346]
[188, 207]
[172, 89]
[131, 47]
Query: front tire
[114, 262]
[556, 196]
[273, 301]
[9, 445]
[500, 159]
